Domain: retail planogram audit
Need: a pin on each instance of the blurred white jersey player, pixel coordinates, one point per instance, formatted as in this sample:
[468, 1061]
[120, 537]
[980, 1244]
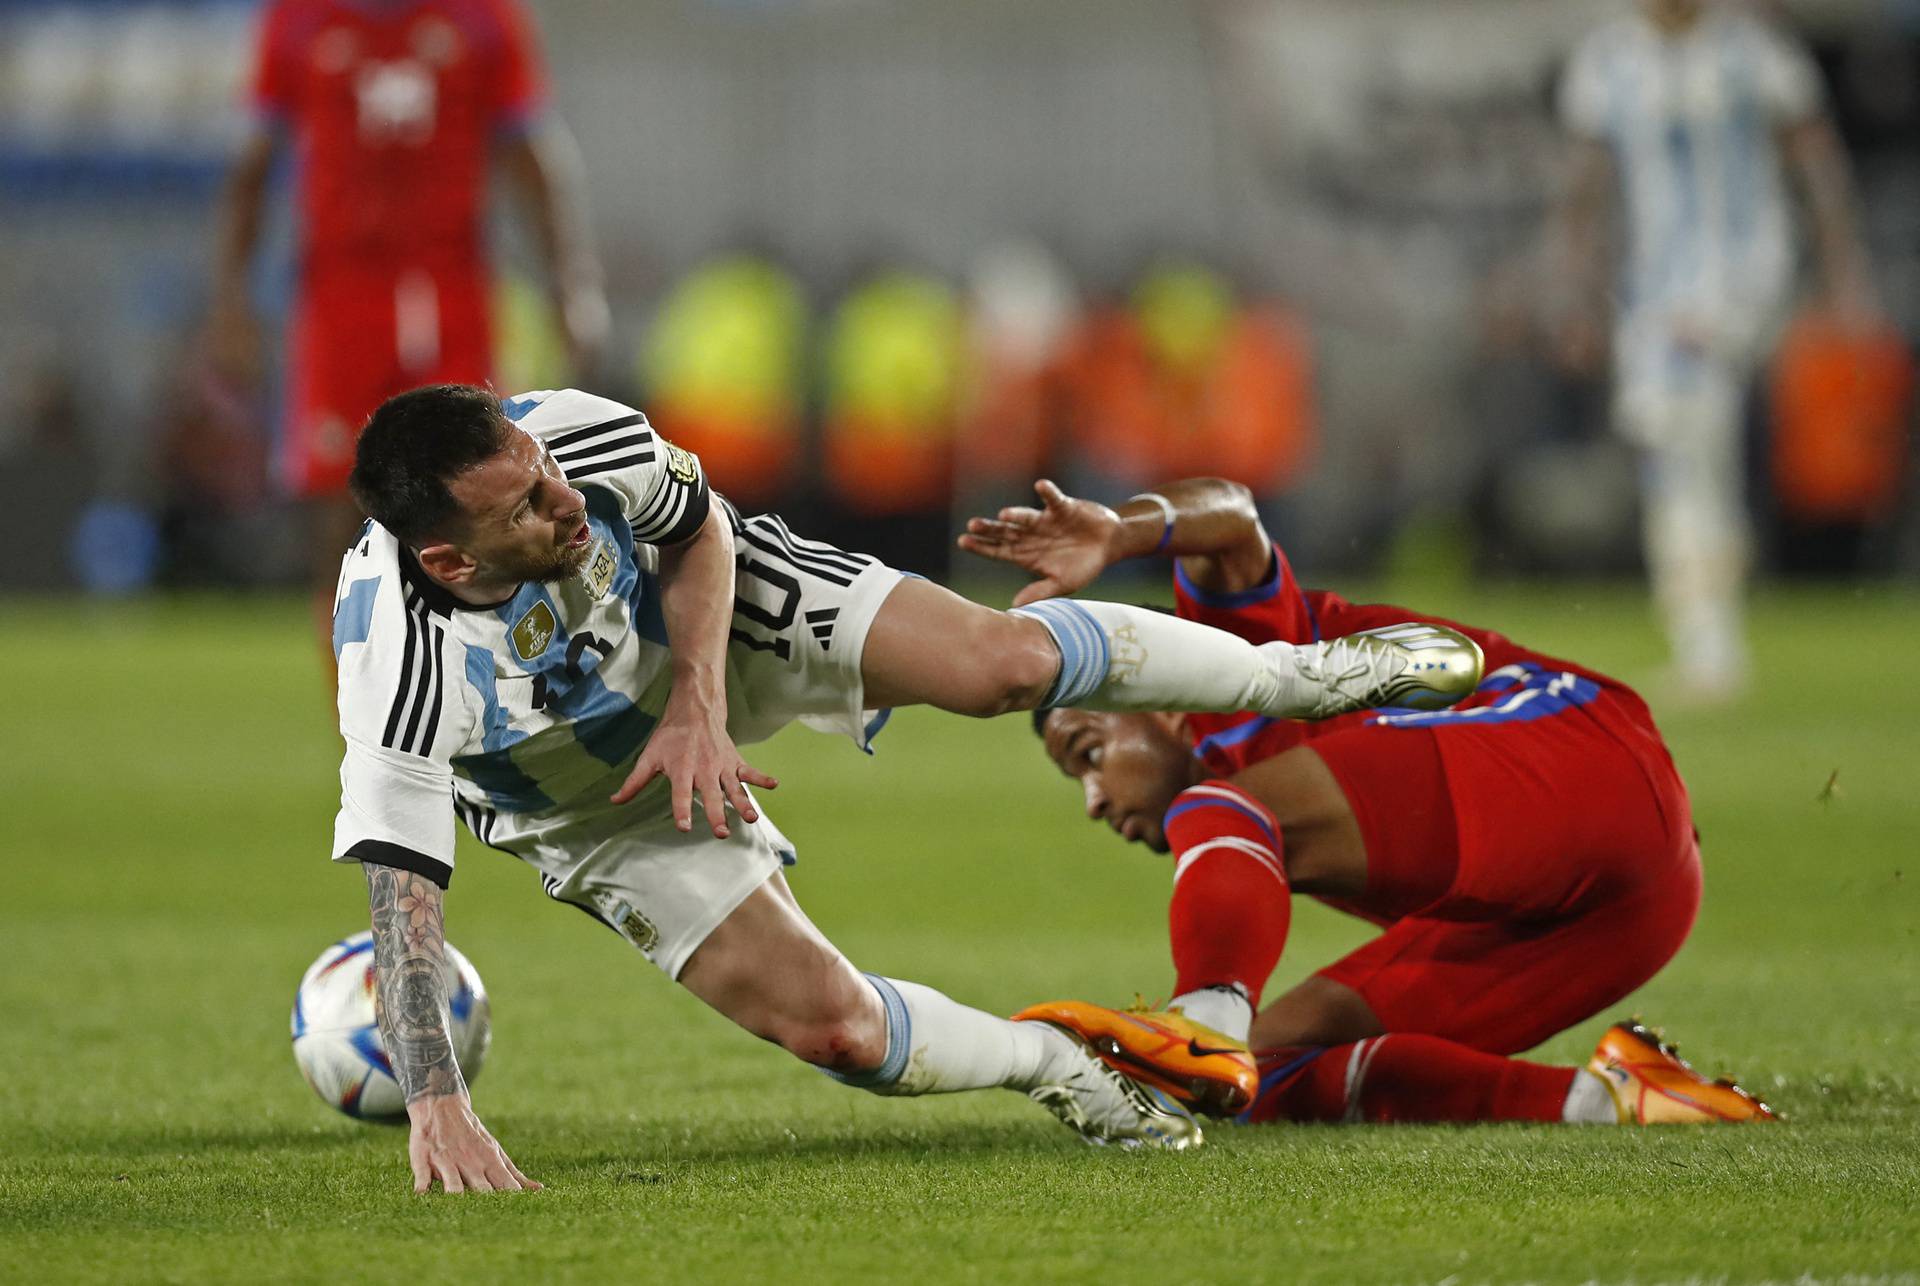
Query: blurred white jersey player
[1693, 113]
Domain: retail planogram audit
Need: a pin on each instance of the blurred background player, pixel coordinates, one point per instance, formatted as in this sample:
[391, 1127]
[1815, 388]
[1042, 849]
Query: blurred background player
[1688, 109]
[1529, 854]
[396, 113]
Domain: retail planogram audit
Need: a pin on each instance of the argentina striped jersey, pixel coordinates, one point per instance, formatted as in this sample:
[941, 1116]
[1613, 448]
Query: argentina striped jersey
[522, 706]
[1691, 122]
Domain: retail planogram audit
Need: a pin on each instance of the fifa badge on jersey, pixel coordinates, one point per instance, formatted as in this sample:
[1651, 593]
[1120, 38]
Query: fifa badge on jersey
[534, 631]
[598, 573]
[681, 465]
[626, 921]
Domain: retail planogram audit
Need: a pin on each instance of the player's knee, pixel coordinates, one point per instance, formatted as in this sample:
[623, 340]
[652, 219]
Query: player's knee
[840, 1025]
[849, 1042]
[1016, 663]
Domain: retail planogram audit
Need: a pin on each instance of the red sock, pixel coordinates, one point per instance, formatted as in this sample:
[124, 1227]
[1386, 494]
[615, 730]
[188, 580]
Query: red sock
[1231, 904]
[1401, 1077]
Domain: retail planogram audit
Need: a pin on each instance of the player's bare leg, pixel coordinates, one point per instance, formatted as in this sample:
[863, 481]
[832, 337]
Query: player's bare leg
[928, 645]
[1695, 528]
[771, 971]
[1316, 1012]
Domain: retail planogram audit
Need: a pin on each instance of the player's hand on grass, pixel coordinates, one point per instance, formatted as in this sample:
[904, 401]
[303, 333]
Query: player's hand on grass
[447, 1144]
[1065, 544]
[691, 748]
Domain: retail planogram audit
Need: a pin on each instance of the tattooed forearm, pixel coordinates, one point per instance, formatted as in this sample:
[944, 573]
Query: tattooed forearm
[409, 960]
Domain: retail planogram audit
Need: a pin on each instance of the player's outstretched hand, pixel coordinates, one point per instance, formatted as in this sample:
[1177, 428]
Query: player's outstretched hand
[1064, 544]
[691, 748]
[448, 1144]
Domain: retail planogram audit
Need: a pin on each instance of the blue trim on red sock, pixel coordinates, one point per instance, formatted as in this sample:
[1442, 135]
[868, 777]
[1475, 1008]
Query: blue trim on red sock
[1214, 801]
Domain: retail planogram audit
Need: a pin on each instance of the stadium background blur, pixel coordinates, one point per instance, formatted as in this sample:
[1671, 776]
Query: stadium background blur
[878, 263]
[1303, 241]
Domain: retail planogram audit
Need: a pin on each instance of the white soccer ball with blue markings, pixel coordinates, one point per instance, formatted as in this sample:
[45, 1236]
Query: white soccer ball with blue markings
[336, 1036]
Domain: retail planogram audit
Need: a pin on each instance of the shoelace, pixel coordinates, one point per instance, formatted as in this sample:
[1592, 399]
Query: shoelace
[1342, 662]
[1362, 661]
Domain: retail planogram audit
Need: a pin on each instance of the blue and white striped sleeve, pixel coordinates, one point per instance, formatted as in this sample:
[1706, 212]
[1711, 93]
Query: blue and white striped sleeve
[401, 715]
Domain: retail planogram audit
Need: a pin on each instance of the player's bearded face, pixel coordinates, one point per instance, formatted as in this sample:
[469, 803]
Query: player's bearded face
[524, 523]
[523, 559]
[1129, 766]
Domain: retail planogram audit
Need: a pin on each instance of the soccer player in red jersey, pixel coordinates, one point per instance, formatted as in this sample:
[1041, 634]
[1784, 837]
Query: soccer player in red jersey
[394, 112]
[1529, 855]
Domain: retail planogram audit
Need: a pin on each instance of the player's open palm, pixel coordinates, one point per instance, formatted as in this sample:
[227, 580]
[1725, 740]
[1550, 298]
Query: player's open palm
[691, 749]
[448, 1145]
[1064, 544]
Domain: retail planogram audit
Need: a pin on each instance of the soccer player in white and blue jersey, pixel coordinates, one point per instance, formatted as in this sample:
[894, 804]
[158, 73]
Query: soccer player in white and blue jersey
[552, 630]
[1688, 110]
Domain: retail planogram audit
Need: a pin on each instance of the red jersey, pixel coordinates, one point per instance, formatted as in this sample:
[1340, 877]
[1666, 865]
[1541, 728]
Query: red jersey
[393, 107]
[1520, 685]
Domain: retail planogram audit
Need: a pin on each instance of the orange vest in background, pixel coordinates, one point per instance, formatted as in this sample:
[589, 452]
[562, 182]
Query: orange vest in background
[1121, 414]
[1246, 414]
[1010, 424]
[1257, 424]
[1840, 404]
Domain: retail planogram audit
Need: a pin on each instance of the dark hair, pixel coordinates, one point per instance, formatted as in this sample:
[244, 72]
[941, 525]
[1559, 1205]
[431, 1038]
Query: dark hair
[413, 446]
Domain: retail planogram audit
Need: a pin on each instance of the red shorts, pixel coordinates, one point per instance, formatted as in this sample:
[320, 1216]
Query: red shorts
[1530, 874]
[361, 335]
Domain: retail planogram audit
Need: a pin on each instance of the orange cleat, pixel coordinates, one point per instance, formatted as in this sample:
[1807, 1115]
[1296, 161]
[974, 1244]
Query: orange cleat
[1165, 1049]
[1653, 1085]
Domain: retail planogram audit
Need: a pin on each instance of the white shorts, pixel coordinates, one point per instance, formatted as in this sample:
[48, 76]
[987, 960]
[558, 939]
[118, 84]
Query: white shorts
[801, 615]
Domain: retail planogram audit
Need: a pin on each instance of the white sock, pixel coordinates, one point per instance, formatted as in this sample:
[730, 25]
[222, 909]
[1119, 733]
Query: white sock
[1117, 657]
[1590, 1101]
[937, 1046]
[1226, 1009]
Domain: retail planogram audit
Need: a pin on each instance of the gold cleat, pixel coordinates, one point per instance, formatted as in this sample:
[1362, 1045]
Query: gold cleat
[1652, 1085]
[1415, 666]
[1162, 1049]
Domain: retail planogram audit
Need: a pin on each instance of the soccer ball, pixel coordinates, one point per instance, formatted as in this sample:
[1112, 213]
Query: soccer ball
[336, 1037]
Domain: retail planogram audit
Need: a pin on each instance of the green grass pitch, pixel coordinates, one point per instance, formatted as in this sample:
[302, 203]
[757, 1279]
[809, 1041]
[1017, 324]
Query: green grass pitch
[167, 790]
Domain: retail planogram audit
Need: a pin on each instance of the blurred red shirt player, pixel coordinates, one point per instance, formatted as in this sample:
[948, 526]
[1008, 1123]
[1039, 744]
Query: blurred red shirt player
[395, 112]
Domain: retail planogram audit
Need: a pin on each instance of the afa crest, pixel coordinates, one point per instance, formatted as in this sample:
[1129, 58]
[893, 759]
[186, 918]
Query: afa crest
[681, 465]
[626, 920]
[534, 631]
[598, 573]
